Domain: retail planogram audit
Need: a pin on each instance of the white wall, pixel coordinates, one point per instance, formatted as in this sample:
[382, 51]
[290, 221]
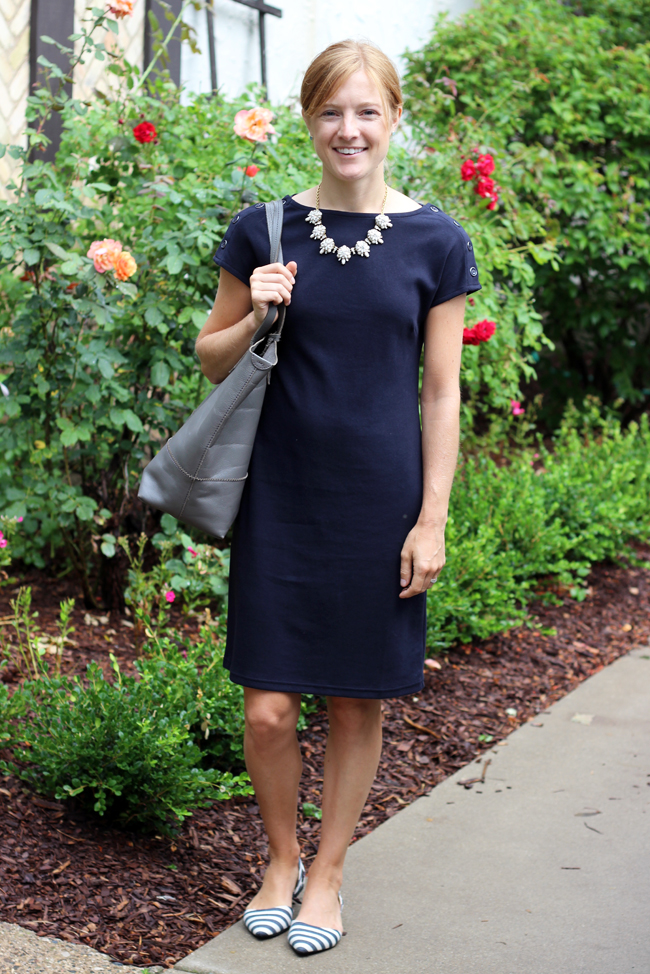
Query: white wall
[305, 28]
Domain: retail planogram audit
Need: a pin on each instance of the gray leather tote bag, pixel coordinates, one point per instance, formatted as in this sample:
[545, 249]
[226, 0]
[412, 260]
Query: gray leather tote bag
[199, 474]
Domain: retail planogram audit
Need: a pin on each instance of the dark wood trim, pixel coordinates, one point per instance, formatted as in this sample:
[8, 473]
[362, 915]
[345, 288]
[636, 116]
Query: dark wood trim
[212, 44]
[263, 8]
[174, 47]
[55, 19]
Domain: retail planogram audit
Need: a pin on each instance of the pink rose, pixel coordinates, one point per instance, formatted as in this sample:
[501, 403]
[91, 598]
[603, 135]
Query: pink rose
[254, 124]
[103, 253]
[170, 596]
[516, 407]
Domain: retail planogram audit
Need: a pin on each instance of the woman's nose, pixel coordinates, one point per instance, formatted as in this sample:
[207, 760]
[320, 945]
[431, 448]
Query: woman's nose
[349, 128]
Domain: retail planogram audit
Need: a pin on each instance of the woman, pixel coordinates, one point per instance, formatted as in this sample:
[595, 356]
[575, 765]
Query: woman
[341, 526]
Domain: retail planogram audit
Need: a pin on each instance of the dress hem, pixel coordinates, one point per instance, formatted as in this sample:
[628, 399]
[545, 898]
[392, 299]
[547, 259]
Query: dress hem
[327, 691]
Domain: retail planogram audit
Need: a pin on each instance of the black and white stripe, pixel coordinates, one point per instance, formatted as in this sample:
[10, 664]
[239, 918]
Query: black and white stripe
[276, 919]
[268, 923]
[307, 939]
[301, 881]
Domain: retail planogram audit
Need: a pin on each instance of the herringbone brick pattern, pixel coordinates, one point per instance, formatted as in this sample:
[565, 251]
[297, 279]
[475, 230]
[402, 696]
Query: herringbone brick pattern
[14, 81]
[14, 68]
[130, 40]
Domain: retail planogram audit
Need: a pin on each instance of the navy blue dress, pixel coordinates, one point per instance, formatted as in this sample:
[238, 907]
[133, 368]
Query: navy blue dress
[335, 480]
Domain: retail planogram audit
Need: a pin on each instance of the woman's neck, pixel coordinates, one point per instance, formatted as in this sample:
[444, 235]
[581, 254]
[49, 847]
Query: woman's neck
[359, 196]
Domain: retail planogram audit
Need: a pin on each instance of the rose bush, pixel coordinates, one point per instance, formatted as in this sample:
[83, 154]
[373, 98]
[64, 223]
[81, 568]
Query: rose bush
[106, 278]
[558, 94]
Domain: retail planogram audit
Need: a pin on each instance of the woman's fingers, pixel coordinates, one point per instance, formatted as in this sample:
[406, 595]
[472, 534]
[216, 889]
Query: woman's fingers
[416, 576]
[270, 291]
[406, 566]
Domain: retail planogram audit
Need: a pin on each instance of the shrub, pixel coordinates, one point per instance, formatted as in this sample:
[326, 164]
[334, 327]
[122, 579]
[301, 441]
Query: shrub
[559, 92]
[129, 749]
[548, 514]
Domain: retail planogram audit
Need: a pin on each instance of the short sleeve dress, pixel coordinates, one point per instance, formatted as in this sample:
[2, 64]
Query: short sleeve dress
[335, 479]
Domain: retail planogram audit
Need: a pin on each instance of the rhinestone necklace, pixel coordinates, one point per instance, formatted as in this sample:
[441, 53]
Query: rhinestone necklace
[361, 247]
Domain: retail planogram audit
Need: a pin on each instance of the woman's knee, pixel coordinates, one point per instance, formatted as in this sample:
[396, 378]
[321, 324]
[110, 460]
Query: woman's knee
[270, 715]
[352, 714]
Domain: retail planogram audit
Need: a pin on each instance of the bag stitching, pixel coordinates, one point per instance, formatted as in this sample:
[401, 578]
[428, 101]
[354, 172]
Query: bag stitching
[218, 480]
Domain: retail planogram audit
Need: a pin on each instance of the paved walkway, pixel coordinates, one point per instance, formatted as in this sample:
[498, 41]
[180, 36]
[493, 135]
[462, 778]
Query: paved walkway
[22, 952]
[544, 869]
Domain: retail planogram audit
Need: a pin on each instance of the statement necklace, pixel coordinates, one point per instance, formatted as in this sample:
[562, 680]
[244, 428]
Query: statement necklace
[361, 247]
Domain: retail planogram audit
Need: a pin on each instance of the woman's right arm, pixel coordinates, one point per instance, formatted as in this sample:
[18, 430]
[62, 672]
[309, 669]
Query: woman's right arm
[237, 313]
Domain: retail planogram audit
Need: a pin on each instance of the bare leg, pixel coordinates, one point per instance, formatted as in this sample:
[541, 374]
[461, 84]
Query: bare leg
[274, 764]
[351, 759]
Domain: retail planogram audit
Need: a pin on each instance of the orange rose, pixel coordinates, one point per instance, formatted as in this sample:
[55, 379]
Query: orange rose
[124, 265]
[254, 124]
[121, 8]
[103, 253]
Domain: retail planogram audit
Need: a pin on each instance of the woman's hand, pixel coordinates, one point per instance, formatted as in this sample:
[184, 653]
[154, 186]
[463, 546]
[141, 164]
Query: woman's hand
[271, 284]
[422, 559]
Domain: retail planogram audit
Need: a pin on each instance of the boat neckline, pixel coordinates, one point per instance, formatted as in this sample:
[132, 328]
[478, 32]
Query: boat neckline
[390, 213]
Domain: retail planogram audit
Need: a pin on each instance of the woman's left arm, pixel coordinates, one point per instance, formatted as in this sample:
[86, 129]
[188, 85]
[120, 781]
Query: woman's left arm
[423, 554]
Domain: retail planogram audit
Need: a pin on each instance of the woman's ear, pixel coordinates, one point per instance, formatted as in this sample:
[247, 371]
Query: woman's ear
[396, 120]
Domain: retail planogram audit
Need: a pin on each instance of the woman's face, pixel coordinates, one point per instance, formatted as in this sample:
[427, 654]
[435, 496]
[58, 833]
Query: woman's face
[351, 132]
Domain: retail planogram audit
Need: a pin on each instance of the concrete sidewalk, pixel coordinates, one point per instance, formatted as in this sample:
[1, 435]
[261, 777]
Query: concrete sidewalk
[544, 869]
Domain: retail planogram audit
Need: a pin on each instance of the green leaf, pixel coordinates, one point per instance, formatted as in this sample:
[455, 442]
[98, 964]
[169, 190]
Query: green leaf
[310, 810]
[105, 368]
[57, 250]
[174, 263]
[126, 287]
[153, 316]
[160, 374]
[112, 25]
[31, 255]
[69, 436]
[108, 545]
[133, 421]
[71, 266]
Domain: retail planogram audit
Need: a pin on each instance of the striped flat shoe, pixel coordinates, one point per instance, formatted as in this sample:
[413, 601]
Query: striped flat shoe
[307, 939]
[264, 924]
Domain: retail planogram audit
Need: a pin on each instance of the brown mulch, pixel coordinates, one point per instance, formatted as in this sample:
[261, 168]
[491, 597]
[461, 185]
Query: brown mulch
[147, 900]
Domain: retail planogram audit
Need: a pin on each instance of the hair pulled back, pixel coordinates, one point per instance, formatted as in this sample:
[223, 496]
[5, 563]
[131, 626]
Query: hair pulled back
[333, 66]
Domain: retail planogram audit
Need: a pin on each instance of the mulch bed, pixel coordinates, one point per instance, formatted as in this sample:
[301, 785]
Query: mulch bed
[147, 900]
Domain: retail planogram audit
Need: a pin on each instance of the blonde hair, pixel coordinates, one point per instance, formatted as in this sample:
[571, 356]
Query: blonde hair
[333, 66]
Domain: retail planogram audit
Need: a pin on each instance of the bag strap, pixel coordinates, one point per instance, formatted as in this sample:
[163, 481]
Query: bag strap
[274, 220]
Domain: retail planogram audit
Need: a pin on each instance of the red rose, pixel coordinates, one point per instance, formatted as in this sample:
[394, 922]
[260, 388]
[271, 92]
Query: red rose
[485, 187]
[145, 132]
[252, 170]
[482, 331]
[467, 170]
[485, 165]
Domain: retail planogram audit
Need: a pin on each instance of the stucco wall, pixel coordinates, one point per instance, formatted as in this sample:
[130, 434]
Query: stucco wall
[305, 28]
